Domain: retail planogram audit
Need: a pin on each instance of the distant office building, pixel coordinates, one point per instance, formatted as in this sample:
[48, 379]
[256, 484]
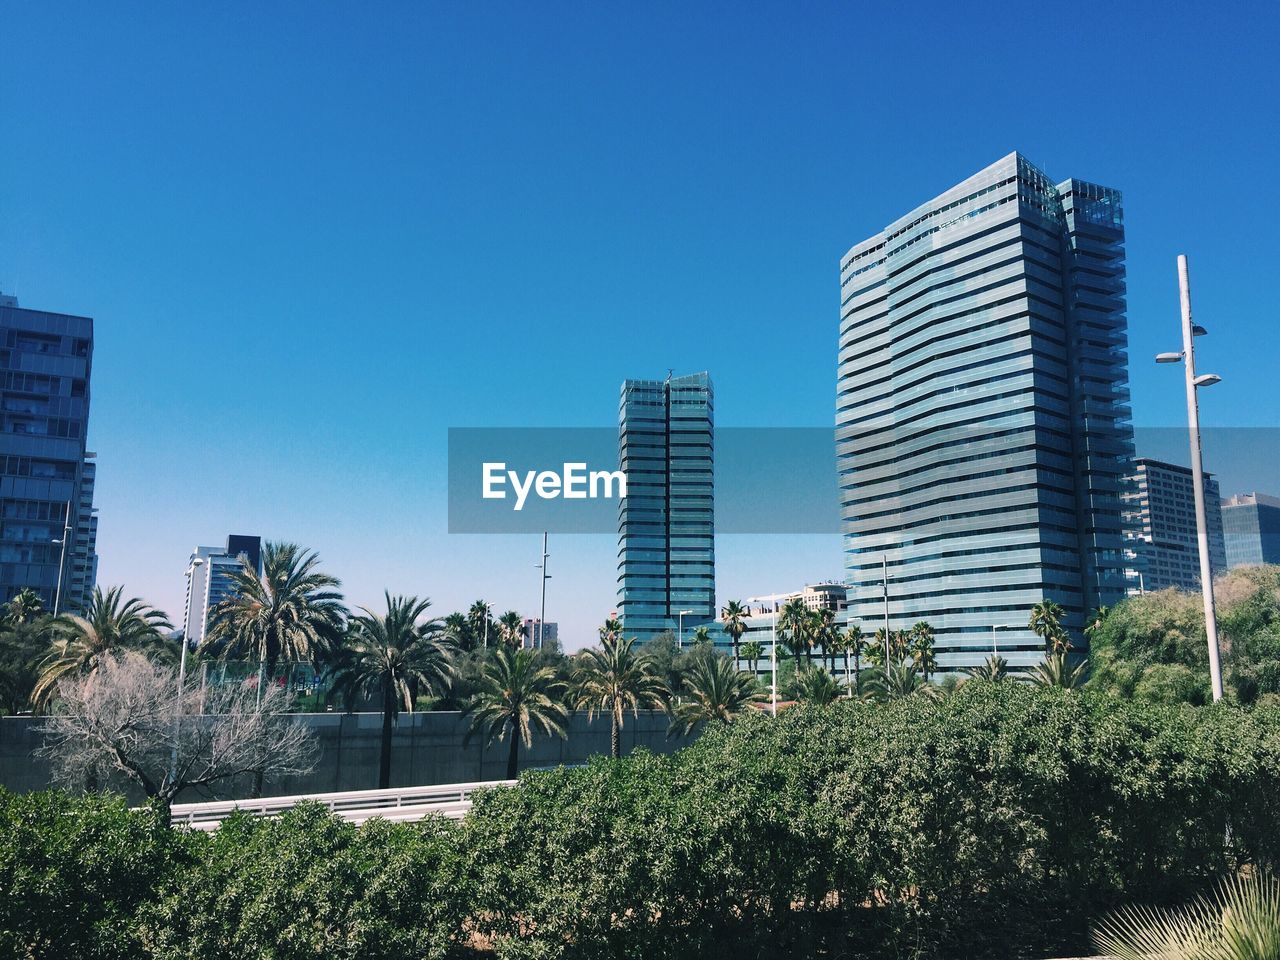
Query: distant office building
[982, 427]
[209, 582]
[1251, 529]
[538, 634]
[666, 550]
[46, 474]
[1160, 513]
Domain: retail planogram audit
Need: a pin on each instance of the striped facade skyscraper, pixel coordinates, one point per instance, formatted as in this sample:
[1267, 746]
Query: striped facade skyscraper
[666, 522]
[982, 422]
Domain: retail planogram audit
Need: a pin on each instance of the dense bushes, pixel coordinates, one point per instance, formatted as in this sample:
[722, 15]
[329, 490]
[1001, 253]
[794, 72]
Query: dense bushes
[997, 822]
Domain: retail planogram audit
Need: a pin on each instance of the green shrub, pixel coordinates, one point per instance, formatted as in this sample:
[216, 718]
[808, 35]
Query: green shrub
[308, 884]
[74, 871]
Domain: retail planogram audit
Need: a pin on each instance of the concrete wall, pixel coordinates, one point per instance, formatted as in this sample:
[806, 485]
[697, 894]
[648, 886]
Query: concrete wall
[426, 749]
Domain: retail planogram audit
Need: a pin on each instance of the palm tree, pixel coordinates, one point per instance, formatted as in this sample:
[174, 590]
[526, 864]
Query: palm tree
[1241, 921]
[292, 612]
[610, 629]
[478, 616]
[827, 634]
[24, 606]
[922, 649]
[853, 644]
[458, 629]
[875, 649]
[701, 637]
[110, 624]
[511, 629]
[516, 694]
[795, 628]
[1056, 672]
[396, 655]
[993, 670]
[734, 617]
[815, 685]
[752, 651]
[1046, 623]
[21, 647]
[716, 689]
[613, 680]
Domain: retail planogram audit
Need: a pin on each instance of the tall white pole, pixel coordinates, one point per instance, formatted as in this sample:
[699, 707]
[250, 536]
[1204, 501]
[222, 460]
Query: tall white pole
[62, 558]
[884, 570]
[773, 657]
[1197, 476]
[542, 617]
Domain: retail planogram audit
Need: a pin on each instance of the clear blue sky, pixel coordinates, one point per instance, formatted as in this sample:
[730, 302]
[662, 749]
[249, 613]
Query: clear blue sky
[314, 237]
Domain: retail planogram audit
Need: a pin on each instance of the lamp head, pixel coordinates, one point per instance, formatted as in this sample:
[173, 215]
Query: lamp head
[1207, 380]
[1169, 357]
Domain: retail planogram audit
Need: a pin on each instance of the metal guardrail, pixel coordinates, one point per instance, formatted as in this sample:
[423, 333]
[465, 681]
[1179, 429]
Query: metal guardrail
[401, 804]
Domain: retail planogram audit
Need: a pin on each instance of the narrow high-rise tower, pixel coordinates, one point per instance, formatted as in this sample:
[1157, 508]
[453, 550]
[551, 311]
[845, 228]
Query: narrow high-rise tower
[666, 544]
[982, 421]
[48, 530]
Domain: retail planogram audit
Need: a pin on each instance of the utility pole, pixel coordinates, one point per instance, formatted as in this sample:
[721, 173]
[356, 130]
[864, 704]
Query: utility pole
[62, 558]
[884, 570]
[542, 617]
[1197, 474]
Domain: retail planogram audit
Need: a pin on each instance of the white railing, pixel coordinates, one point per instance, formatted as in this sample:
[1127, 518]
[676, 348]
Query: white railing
[451, 800]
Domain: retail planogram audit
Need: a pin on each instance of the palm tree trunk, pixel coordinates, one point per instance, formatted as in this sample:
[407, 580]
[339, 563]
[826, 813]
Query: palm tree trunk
[857, 669]
[513, 756]
[615, 740]
[384, 758]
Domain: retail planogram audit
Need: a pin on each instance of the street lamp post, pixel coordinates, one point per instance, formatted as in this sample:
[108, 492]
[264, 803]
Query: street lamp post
[1194, 382]
[542, 619]
[182, 675]
[773, 653]
[62, 557]
[680, 629]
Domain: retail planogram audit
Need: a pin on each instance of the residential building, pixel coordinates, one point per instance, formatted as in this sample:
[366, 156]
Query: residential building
[48, 531]
[1251, 529]
[209, 580]
[538, 634]
[666, 546]
[1160, 515]
[982, 427]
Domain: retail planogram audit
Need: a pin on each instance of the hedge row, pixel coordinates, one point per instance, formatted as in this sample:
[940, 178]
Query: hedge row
[999, 822]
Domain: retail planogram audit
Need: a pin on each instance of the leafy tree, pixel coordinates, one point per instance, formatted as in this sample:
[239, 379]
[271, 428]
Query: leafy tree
[394, 656]
[515, 695]
[734, 617]
[110, 624]
[292, 612]
[22, 645]
[1056, 671]
[613, 680]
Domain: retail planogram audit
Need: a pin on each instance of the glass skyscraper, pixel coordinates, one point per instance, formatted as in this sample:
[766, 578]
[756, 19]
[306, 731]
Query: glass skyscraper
[982, 426]
[47, 521]
[1251, 526]
[666, 522]
[1160, 515]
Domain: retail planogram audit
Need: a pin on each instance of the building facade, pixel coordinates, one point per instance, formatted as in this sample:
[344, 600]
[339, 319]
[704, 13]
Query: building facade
[1251, 529]
[666, 522]
[48, 529]
[538, 635]
[982, 426]
[209, 582]
[1160, 514]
